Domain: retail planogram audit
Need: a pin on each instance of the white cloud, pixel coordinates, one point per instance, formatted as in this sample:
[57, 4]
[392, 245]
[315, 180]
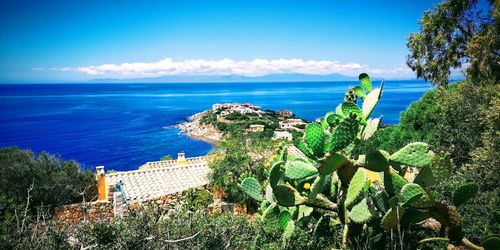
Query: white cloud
[256, 67]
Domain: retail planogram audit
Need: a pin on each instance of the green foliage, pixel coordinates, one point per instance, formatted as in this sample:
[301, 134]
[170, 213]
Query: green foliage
[376, 161]
[252, 187]
[451, 34]
[166, 158]
[341, 189]
[392, 218]
[284, 195]
[54, 182]
[415, 154]
[371, 101]
[332, 163]
[365, 81]
[463, 120]
[492, 243]
[361, 212]
[196, 199]
[315, 138]
[464, 193]
[356, 186]
[228, 166]
[297, 169]
[410, 193]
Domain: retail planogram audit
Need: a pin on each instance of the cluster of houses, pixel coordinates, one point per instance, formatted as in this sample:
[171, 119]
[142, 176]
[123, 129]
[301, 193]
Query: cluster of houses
[287, 122]
[229, 108]
[286, 126]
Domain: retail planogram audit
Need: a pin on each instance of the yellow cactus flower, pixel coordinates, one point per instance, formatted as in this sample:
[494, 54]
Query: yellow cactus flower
[277, 150]
[275, 157]
[307, 185]
[267, 165]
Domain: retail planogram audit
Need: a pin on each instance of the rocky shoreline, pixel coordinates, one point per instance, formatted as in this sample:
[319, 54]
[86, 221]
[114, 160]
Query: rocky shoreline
[193, 128]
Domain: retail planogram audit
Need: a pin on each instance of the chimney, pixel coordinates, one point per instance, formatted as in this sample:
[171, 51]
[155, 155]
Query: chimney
[181, 158]
[101, 182]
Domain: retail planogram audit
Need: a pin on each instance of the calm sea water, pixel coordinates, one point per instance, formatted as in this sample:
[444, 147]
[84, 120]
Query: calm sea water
[122, 126]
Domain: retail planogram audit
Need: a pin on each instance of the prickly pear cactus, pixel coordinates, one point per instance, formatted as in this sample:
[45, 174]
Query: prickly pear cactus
[333, 182]
[252, 187]
[314, 138]
[415, 154]
[464, 193]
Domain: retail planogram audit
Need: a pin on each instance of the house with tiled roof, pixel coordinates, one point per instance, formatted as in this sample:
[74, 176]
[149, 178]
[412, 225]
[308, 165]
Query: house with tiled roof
[153, 180]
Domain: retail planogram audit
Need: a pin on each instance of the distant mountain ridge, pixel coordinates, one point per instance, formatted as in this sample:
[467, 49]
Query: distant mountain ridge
[231, 78]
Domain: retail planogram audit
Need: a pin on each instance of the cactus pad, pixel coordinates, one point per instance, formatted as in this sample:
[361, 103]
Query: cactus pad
[392, 218]
[288, 232]
[365, 81]
[333, 119]
[302, 146]
[334, 185]
[286, 196]
[393, 182]
[338, 110]
[299, 169]
[381, 200]
[410, 193]
[361, 212]
[275, 175]
[371, 101]
[356, 186]
[492, 243]
[251, 187]
[350, 107]
[425, 177]
[370, 128]
[413, 216]
[332, 163]
[316, 187]
[284, 218]
[415, 154]
[360, 92]
[464, 193]
[377, 161]
[425, 201]
[344, 133]
[315, 138]
[269, 210]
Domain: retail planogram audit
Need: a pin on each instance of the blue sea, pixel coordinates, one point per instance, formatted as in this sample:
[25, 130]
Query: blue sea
[122, 126]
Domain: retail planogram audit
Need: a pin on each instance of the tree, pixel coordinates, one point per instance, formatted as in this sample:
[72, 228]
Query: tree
[453, 34]
[53, 182]
[166, 158]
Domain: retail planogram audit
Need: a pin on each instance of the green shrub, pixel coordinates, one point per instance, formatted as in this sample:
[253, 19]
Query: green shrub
[463, 120]
[54, 182]
[196, 199]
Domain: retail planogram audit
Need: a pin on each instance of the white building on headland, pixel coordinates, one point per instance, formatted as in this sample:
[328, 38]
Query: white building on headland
[291, 124]
[228, 108]
[282, 135]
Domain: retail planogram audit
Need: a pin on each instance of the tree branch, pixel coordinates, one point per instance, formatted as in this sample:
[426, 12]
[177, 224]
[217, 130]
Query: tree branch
[183, 239]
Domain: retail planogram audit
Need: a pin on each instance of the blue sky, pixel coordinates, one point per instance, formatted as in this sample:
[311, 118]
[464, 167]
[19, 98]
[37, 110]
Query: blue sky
[82, 40]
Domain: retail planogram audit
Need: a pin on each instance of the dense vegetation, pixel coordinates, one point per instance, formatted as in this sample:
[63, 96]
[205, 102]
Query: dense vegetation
[235, 123]
[333, 180]
[31, 187]
[330, 207]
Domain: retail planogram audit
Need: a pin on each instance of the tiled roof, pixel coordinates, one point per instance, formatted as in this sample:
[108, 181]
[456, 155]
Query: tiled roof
[292, 150]
[147, 184]
[172, 163]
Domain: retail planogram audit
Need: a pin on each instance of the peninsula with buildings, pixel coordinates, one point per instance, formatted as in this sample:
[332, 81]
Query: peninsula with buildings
[210, 125]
